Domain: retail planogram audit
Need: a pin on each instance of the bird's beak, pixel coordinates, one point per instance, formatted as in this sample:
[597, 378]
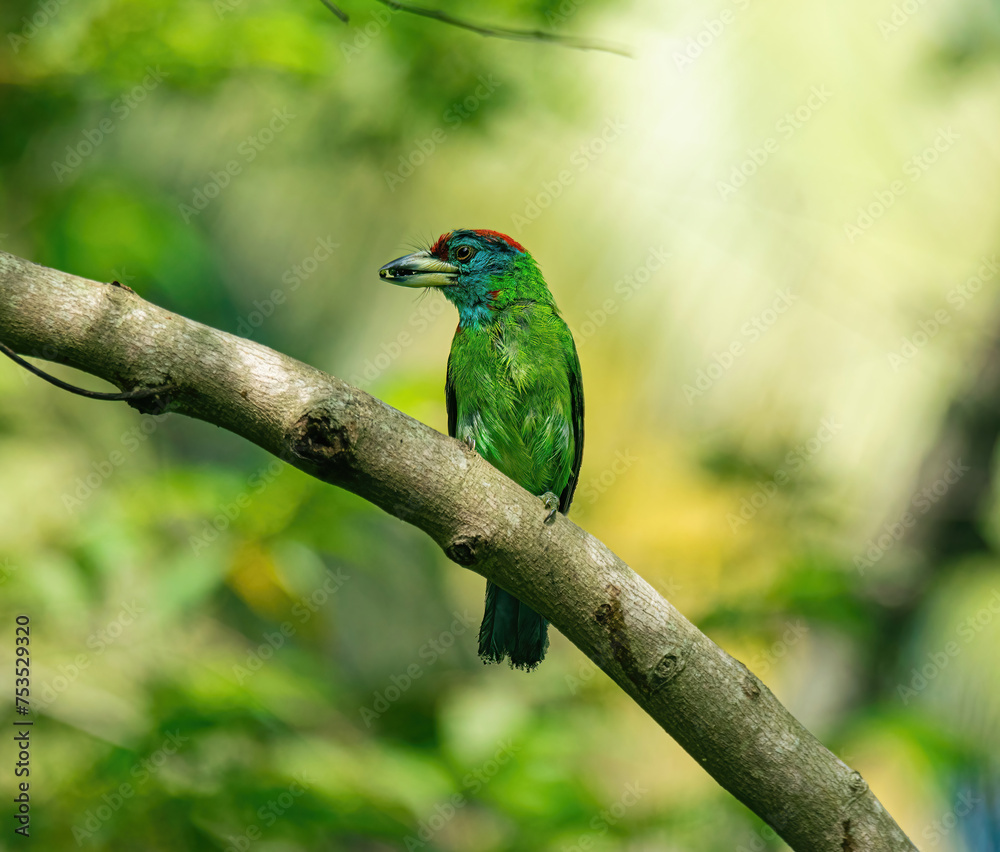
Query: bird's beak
[420, 269]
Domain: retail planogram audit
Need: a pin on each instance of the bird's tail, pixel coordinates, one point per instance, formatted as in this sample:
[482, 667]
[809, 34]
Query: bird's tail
[511, 628]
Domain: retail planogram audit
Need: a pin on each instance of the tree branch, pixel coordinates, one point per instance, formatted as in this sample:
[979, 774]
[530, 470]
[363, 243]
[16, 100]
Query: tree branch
[709, 702]
[506, 32]
[340, 13]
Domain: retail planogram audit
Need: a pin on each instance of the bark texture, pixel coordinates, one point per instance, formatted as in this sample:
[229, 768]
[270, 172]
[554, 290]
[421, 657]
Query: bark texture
[706, 700]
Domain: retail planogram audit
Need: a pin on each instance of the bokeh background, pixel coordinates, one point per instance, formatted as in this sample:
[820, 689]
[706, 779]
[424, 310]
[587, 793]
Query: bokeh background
[773, 231]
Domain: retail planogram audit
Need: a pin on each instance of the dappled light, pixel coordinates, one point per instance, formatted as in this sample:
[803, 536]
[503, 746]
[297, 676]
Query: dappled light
[772, 230]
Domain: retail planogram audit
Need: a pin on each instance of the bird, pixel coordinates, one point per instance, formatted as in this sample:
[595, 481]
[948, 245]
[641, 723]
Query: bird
[513, 392]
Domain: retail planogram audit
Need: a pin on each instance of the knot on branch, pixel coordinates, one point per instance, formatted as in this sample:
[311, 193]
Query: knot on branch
[751, 686]
[465, 550]
[666, 669]
[858, 787]
[847, 843]
[858, 784]
[156, 403]
[611, 617]
[318, 437]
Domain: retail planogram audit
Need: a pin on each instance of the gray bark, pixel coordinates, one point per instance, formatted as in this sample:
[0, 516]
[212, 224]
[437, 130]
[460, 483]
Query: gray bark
[709, 702]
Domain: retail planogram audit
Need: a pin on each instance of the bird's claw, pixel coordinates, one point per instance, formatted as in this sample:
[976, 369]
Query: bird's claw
[551, 502]
[470, 442]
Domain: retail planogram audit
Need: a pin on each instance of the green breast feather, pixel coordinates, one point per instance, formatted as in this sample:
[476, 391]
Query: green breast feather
[513, 388]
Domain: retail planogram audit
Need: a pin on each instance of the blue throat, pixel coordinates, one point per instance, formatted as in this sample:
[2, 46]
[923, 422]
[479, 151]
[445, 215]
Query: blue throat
[473, 303]
[474, 316]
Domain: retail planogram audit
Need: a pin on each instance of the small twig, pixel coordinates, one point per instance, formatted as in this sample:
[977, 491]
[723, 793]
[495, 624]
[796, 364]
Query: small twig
[505, 32]
[141, 393]
[338, 12]
[500, 32]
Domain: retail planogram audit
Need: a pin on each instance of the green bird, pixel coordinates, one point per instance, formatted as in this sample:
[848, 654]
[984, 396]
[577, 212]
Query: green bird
[513, 392]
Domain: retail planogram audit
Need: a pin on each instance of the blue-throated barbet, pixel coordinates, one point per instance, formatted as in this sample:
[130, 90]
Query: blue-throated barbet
[513, 392]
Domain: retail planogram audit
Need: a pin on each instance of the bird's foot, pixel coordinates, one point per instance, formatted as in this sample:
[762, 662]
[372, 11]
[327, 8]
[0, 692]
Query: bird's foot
[470, 442]
[551, 502]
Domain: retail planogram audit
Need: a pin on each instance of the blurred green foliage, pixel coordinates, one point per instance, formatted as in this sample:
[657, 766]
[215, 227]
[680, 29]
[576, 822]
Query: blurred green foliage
[229, 655]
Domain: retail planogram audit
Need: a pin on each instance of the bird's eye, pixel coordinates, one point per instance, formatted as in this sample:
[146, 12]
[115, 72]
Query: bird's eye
[464, 253]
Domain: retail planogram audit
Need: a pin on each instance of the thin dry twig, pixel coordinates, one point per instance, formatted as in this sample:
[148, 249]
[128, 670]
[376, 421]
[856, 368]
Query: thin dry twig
[340, 13]
[500, 32]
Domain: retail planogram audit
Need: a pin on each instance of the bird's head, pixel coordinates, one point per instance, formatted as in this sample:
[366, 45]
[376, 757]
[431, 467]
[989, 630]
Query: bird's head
[479, 271]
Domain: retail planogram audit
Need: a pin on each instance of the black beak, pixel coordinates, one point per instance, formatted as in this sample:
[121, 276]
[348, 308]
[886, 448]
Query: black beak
[420, 269]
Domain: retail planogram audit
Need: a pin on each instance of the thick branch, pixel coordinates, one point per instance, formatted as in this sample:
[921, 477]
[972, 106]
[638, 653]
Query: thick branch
[709, 702]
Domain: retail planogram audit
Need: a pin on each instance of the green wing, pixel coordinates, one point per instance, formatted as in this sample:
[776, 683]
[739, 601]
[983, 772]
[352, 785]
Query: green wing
[450, 400]
[576, 427]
